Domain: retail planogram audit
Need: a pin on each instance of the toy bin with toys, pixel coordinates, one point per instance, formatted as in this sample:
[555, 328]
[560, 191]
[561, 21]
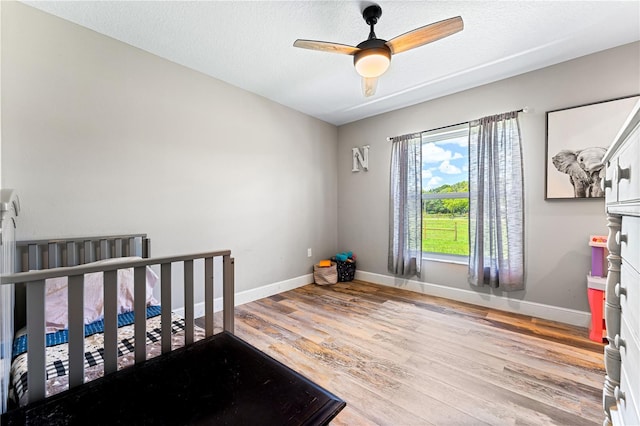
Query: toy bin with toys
[346, 263]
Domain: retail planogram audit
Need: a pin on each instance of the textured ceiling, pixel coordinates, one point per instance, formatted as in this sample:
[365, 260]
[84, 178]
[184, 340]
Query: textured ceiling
[249, 44]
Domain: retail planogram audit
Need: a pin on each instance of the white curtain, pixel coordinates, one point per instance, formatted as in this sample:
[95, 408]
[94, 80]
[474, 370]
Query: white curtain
[10, 207]
[405, 206]
[496, 206]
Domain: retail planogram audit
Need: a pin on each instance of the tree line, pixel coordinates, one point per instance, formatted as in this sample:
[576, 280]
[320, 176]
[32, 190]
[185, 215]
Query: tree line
[450, 206]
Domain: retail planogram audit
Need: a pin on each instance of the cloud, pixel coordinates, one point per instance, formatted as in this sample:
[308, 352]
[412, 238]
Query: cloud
[434, 182]
[426, 174]
[431, 153]
[448, 168]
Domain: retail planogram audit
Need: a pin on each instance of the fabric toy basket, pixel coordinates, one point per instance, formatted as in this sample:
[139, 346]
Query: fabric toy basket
[326, 275]
[346, 269]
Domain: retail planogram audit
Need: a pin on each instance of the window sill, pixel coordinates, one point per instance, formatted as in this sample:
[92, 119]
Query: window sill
[446, 258]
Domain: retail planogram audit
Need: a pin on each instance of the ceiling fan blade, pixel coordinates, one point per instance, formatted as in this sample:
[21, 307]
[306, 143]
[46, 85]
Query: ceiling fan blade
[426, 34]
[369, 86]
[326, 46]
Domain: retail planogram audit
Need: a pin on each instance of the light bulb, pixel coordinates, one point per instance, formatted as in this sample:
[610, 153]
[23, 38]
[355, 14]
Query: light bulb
[372, 63]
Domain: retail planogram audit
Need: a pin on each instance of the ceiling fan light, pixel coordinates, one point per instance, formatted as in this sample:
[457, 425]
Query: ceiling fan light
[372, 63]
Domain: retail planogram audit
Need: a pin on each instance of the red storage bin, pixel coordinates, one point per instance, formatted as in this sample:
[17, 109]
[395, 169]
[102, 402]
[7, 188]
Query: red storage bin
[596, 295]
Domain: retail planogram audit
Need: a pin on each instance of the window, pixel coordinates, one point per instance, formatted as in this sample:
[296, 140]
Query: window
[445, 193]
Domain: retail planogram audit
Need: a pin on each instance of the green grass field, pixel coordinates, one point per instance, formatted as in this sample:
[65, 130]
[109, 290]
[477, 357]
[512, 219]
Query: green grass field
[445, 234]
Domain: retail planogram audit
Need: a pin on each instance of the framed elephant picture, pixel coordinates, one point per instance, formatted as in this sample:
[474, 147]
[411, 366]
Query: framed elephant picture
[577, 139]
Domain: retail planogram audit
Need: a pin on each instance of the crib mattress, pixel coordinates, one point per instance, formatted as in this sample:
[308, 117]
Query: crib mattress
[218, 380]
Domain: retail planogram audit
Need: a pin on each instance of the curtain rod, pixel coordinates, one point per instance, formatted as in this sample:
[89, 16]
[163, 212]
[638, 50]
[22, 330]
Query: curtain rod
[389, 139]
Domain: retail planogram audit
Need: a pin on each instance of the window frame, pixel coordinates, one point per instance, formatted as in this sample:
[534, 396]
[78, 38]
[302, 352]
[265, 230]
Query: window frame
[437, 135]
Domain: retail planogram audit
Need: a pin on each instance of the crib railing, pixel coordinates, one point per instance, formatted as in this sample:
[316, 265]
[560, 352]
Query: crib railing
[48, 254]
[9, 210]
[72, 251]
[35, 284]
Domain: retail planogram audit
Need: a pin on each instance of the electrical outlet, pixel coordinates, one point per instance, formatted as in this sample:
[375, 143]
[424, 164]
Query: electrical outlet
[309, 252]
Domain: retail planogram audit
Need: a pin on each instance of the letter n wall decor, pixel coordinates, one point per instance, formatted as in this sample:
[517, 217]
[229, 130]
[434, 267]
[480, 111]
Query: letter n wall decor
[360, 159]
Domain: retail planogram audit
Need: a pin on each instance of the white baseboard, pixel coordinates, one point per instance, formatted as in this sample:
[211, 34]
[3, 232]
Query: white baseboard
[254, 294]
[539, 310]
[534, 309]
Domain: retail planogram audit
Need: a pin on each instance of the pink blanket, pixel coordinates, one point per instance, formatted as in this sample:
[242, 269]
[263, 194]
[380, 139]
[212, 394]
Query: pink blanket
[56, 312]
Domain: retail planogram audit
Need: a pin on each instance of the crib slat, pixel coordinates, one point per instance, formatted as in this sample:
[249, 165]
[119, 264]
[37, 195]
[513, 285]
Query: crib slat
[76, 330]
[110, 322]
[105, 253]
[188, 302]
[228, 294]
[165, 302]
[54, 255]
[88, 252]
[35, 329]
[136, 247]
[130, 247]
[35, 261]
[140, 308]
[72, 254]
[208, 296]
[119, 249]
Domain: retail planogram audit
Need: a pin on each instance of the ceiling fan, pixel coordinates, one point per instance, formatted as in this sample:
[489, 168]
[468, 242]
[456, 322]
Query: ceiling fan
[372, 57]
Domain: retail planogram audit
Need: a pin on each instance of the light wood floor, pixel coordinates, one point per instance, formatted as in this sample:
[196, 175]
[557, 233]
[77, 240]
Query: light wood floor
[402, 358]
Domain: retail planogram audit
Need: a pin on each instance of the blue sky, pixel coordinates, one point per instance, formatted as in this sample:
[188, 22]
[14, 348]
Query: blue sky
[445, 162]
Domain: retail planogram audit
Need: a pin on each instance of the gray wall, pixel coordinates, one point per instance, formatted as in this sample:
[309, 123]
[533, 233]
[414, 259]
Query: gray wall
[100, 137]
[557, 232]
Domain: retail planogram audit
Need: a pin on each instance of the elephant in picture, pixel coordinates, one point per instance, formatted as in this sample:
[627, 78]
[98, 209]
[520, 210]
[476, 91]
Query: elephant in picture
[584, 168]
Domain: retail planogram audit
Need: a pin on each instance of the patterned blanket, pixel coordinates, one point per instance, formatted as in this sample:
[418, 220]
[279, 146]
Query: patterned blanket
[57, 359]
